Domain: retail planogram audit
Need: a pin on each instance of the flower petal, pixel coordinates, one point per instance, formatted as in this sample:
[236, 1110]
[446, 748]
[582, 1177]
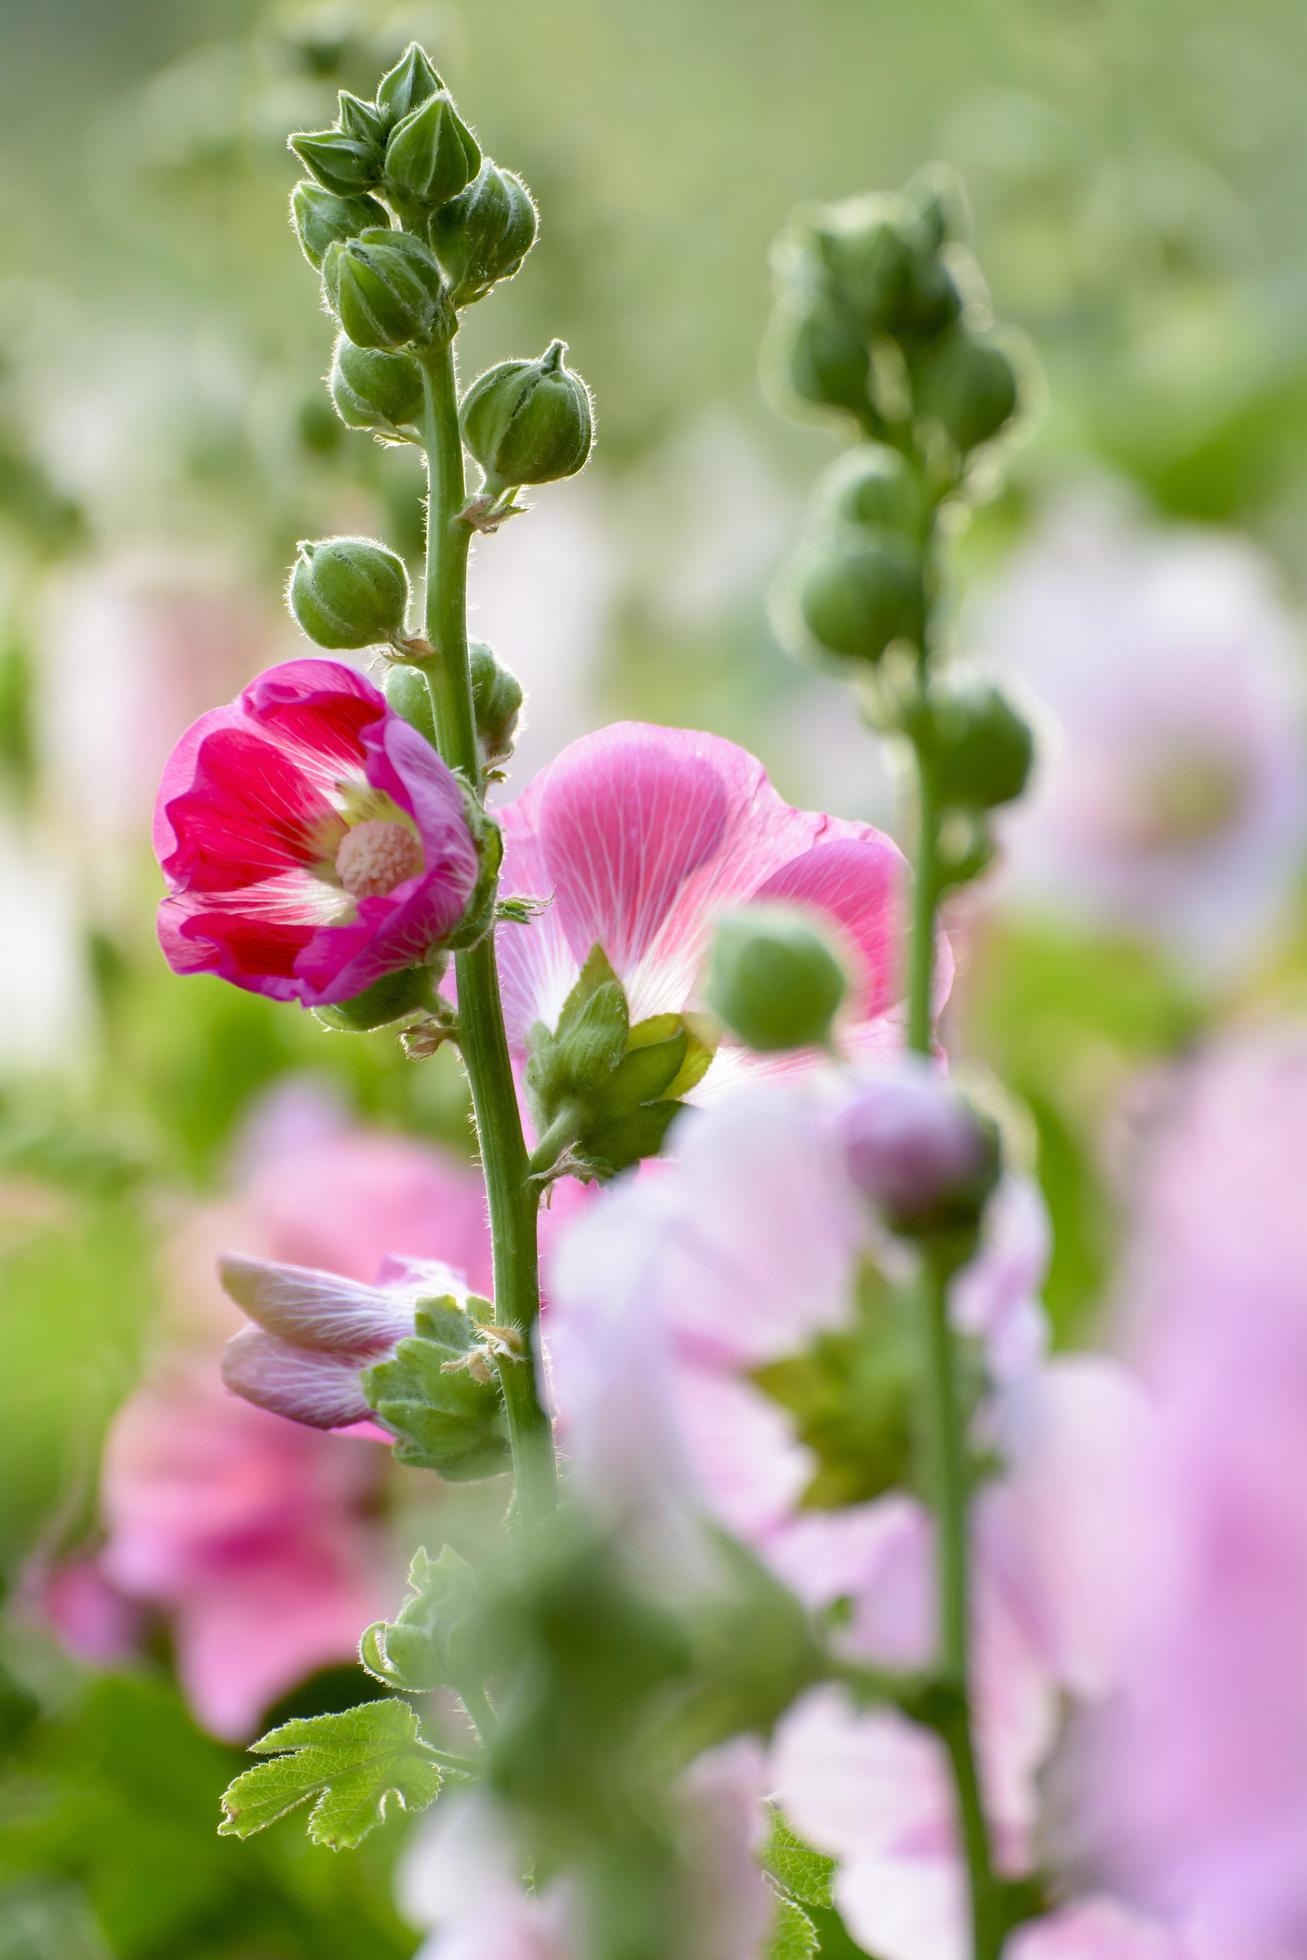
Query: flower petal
[314, 1309]
[309, 1385]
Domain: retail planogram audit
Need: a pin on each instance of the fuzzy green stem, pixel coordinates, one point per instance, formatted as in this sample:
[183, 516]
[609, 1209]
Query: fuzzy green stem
[512, 1198]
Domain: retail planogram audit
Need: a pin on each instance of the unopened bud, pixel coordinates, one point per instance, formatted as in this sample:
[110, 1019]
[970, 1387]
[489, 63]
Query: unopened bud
[858, 591]
[431, 154]
[820, 354]
[773, 978]
[346, 164]
[529, 421]
[874, 486]
[388, 291]
[866, 247]
[980, 745]
[349, 593]
[483, 234]
[373, 389]
[362, 119]
[406, 690]
[918, 1150]
[406, 85]
[322, 217]
[496, 703]
[967, 383]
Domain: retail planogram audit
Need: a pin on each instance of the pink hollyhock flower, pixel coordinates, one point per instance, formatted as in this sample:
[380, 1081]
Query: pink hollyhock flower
[746, 1247]
[1194, 1794]
[258, 1539]
[1099, 1930]
[313, 842]
[1172, 804]
[1053, 1567]
[640, 836]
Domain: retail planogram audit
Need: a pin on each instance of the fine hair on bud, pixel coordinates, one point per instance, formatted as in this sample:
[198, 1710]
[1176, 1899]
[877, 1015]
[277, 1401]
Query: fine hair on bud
[529, 421]
[349, 593]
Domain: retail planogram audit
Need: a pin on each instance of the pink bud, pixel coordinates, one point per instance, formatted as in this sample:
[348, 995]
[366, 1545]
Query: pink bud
[917, 1149]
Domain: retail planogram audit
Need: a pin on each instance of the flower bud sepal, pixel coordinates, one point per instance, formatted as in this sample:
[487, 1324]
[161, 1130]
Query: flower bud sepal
[406, 996]
[438, 1393]
[349, 593]
[528, 421]
[603, 1093]
[388, 292]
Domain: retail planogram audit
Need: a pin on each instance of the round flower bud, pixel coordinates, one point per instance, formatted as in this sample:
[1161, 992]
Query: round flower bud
[918, 1150]
[773, 979]
[496, 703]
[322, 217]
[873, 485]
[406, 85]
[349, 593]
[868, 251]
[387, 291]
[982, 748]
[483, 234]
[529, 421]
[858, 590]
[348, 165]
[820, 354]
[408, 694]
[968, 384]
[431, 154]
[373, 389]
[362, 119]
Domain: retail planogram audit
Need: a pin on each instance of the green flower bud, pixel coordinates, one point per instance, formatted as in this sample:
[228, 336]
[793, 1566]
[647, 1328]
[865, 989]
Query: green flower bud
[967, 383]
[373, 389]
[858, 591]
[408, 694]
[483, 234]
[873, 485]
[980, 745]
[322, 217]
[348, 165]
[349, 593]
[819, 353]
[407, 84]
[773, 978]
[432, 154]
[496, 703]
[867, 250]
[363, 120]
[388, 291]
[529, 421]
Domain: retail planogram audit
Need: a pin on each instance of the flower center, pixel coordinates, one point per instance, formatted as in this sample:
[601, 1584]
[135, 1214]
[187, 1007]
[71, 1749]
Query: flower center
[375, 856]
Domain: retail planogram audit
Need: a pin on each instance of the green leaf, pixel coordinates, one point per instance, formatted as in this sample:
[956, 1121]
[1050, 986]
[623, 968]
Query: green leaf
[446, 1415]
[800, 1871]
[348, 1765]
[793, 1935]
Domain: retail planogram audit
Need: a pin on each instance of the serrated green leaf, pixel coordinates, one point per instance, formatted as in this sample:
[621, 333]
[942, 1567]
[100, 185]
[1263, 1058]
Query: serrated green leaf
[348, 1765]
[793, 1935]
[799, 1870]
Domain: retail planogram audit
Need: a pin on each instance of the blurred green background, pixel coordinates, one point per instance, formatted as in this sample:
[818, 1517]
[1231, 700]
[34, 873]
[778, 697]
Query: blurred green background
[1135, 172]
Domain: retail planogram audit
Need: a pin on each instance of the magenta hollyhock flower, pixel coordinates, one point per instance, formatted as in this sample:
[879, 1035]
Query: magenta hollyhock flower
[312, 841]
[640, 836]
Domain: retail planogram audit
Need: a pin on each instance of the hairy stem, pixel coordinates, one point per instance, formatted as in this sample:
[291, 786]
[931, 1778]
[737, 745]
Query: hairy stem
[510, 1194]
[944, 1429]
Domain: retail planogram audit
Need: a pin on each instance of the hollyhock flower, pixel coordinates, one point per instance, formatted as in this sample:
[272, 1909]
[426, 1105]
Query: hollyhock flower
[313, 842]
[640, 836]
[1172, 804]
[257, 1539]
[1053, 1567]
[744, 1249]
[1193, 1796]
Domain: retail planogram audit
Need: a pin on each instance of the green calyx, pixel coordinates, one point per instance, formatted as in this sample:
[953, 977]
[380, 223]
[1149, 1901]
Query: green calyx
[342, 162]
[405, 86]
[431, 154]
[529, 421]
[979, 746]
[388, 292]
[407, 692]
[375, 389]
[857, 589]
[773, 978]
[439, 1395]
[496, 703]
[603, 1093]
[401, 996]
[321, 218]
[482, 235]
[349, 593]
[427, 1645]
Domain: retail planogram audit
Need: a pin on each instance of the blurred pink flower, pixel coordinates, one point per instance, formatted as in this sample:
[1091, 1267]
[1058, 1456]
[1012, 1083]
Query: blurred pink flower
[1194, 1794]
[640, 835]
[1053, 1569]
[1101, 1930]
[258, 1539]
[313, 842]
[1171, 801]
[741, 1251]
